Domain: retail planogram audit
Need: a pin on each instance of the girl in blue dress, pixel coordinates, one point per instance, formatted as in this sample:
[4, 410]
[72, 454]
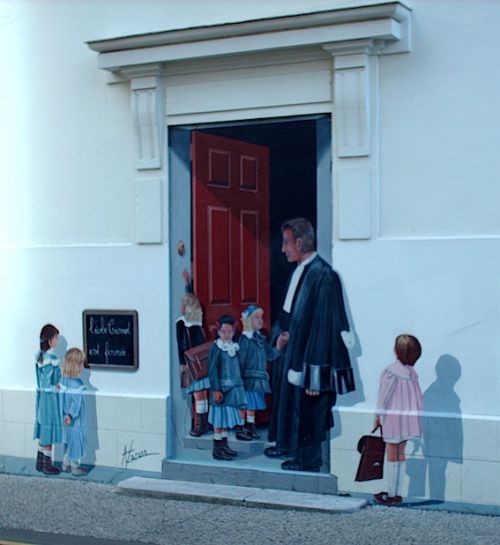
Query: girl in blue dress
[255, 352]
[47, 417]
[74, 434]
[227, 394]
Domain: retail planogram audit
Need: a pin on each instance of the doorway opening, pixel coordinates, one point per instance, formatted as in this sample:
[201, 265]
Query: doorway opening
[299, 174]
[292, 185]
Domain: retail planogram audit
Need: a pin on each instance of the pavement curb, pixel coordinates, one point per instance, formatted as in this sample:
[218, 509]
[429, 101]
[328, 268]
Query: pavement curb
[240, 495]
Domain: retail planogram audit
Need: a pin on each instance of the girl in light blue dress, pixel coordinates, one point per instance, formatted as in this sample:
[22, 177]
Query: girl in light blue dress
[74, 435]
[47, 415]
[255, 352]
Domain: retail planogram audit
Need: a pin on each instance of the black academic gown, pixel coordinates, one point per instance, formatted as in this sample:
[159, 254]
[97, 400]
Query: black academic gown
[318, 358]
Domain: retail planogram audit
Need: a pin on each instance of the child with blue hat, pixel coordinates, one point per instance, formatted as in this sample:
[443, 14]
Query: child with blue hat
[254, 354]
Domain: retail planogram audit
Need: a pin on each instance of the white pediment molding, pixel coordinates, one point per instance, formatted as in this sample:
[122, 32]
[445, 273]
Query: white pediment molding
[386, 24]
[354, 38]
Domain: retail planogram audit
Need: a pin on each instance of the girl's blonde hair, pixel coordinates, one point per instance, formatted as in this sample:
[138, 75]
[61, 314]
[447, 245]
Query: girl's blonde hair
[73, 363]
[246, 319]
[192, 308]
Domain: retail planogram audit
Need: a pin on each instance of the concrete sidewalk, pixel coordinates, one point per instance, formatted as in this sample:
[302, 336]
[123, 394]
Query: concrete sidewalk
[63, 511]
[240, 495]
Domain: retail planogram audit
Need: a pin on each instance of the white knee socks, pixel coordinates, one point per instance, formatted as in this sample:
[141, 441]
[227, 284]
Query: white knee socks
[394, 475]
[201, 407]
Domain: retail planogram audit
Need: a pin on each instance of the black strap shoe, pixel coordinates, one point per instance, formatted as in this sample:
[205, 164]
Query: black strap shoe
[250, 429]
[227, 449]
[275, 452]
[48, 468]
[218, 452]
[242, 434]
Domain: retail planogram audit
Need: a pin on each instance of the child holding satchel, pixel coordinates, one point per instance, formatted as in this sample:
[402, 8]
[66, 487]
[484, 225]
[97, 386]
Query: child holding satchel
[73, 412]
[227, 392]
[189, 332]
[398, 411]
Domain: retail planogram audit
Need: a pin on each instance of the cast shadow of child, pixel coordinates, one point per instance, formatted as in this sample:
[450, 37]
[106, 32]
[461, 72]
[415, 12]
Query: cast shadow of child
[91, 416]
[60, 351]
[442, 432]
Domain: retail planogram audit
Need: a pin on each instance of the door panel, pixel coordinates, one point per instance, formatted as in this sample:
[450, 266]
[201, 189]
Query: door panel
[249, 256]
[219, 255]
[230, 183]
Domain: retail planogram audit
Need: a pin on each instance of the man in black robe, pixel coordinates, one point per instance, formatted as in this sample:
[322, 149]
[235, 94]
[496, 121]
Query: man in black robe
[315, 365]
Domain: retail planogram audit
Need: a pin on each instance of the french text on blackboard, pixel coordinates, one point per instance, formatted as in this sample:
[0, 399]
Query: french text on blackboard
[101, 327]
[110, 338]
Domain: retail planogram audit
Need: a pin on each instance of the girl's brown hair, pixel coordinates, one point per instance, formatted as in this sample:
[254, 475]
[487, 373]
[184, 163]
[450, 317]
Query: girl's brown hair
[48, 331]
[407, 348]
[73, 363]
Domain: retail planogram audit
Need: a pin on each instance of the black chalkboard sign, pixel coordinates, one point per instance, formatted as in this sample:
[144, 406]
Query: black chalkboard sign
[110, 339]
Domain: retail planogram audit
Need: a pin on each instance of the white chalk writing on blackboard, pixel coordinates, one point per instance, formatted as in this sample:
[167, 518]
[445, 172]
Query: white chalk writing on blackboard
[100, 327]
[113, 352]
[111, 338]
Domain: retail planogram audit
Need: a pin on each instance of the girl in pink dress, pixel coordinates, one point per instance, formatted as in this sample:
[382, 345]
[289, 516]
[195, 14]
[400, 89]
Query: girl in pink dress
[398, 412]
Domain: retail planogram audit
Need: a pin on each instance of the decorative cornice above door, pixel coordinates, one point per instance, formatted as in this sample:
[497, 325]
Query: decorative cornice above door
[319, 62]
[385, 24]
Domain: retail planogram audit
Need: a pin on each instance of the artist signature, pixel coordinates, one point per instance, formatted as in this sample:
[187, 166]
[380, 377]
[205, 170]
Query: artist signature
[131, 454]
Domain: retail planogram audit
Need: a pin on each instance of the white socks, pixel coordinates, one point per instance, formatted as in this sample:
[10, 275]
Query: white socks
[394, 475]
[201, 407]
[251, 419]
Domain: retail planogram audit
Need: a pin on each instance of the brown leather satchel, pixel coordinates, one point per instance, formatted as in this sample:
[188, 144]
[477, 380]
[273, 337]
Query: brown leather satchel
[196, 359]
[371, 463]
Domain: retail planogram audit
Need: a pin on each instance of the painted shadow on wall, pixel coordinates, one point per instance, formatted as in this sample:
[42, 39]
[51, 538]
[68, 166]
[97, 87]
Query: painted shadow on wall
[91, 416]
[442, 433]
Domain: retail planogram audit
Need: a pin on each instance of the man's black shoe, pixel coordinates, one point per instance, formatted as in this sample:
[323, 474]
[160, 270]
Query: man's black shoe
[292, 465]
[275, 452]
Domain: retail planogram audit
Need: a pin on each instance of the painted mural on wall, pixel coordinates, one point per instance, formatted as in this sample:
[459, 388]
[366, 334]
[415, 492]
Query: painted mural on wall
[65, 415]
[304, 364]
[312, 328]
[399, 409]
[422, 432]
[60, 406]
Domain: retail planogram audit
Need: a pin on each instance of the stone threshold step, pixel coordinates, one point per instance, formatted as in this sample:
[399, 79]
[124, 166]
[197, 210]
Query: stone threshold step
[205, 442]
[240, 495]
[238, 473]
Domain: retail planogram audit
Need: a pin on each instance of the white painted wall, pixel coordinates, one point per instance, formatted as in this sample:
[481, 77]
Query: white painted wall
[66, 137]
[434, 269]
[440, 126]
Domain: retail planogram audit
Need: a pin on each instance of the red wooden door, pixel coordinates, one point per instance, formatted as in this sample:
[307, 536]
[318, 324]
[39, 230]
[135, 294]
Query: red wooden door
[230, 182]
